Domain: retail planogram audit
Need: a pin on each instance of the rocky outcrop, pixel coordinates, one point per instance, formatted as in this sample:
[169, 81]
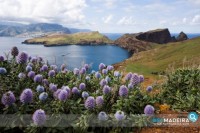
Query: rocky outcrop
[159, 36]
[182, 36]
[130, 42]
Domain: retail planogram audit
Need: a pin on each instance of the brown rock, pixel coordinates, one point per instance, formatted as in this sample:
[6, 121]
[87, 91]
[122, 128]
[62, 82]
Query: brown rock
[182, 36]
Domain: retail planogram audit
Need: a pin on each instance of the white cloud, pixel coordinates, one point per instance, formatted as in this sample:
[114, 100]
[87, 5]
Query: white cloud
[110, 3]
[63, 11]
[107, 19]
[162, 22]
[184, 20]
[196, 19]
[126, 21]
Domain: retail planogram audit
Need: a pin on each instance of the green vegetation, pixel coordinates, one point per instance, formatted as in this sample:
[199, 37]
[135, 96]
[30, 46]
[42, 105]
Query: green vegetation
[77, 38]
[161, 57]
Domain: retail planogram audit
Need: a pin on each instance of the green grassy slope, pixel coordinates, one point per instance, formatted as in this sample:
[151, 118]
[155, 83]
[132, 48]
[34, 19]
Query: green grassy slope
[71, 38]
[160, 58]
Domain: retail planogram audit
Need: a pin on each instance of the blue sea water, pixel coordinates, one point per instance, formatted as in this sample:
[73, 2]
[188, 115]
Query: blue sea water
[72, 55]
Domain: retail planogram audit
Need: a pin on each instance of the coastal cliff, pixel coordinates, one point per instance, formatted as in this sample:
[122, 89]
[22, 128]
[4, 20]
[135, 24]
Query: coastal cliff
[82, 38]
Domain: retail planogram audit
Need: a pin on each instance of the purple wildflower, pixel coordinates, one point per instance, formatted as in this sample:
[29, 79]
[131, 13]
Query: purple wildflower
[51, 73]
[39, 117]
[101, 66]
[90, 103]
[149, 88]
[106, 89]
[28, 68]
[62, 67]
[86, 66]
[103, 82]
[54, 67]
[83, 71]
[40, 89]
[76, 71]
[14, 51]
[33, 59]
[75, 90]
[107, 79]
[8, 98]
[3, 70]
[45, 82]
[110, 68]
[82, 86]
[21, 75]
[63, 95]
[149, 110]
[99, 101]
[55, 94]
[43, 96]
[97, 75]
[26, 96]
[104, 71]
[52, 87]
[128, 76]
[31, 74]
[44, 68]
[130, 86]
[117, 74]
[84, 94]
[119, 115]
[30, 64]
[141, 77]
[1, 58]
[123, 91]
[135, 79]
[22, 58]
[38, 78]
[87, 78]
[39, 59]
[102, 116]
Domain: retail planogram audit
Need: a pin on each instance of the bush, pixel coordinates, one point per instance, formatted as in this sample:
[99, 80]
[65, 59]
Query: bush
[182, 90]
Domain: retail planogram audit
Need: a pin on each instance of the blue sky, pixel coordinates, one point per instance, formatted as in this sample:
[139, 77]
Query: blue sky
[109, 16]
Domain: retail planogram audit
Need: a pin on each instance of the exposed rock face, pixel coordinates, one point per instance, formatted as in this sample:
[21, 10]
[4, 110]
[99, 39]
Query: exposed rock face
[130, 42]
[156, 36]
[182, 36]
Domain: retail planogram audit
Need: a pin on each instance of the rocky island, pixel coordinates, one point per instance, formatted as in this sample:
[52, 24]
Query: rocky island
[82, 38]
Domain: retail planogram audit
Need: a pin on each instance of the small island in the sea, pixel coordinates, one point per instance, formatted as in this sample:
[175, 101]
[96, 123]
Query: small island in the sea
[82, 38]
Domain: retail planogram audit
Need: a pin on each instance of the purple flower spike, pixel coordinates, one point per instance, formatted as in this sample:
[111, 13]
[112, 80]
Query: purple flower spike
[75, 91]
[90, 103]
[149, 88]
[26, 96]
[63, 95]
[31, 74]
[85, 94]
[82, 71]
[123, 91]
[102, 116]
[3, 70]
[119, 115]
[1, 58]
[14, 51]
[51, 73]
[44, 68]
[82, 86]
[117, 74]
[38, 78]
[21, 75]
[110, 68]
[28, 68]
[103, 82]
[97, 75]
[99, 101]
[104, 71]
[55, 94]
[39, 117]
[101, 66]
[53, 87]
[76, 71]
[45, 82]
[135, 79]
[149, 110]
[22, 58]
[141, 77]
[43, 96]
[40, 89]
[34, 60]
[8, 98]
[128, 76]
[86, 66]
[106, 89]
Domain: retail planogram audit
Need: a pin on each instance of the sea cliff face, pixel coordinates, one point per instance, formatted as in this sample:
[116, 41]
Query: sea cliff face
[82, 38]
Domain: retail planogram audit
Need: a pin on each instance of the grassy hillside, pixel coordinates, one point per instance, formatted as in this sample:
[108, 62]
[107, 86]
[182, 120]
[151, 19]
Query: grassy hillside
[71, 38]
[161, 57]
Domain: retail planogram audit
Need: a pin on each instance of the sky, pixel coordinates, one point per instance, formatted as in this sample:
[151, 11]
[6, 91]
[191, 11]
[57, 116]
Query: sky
[107, 16]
